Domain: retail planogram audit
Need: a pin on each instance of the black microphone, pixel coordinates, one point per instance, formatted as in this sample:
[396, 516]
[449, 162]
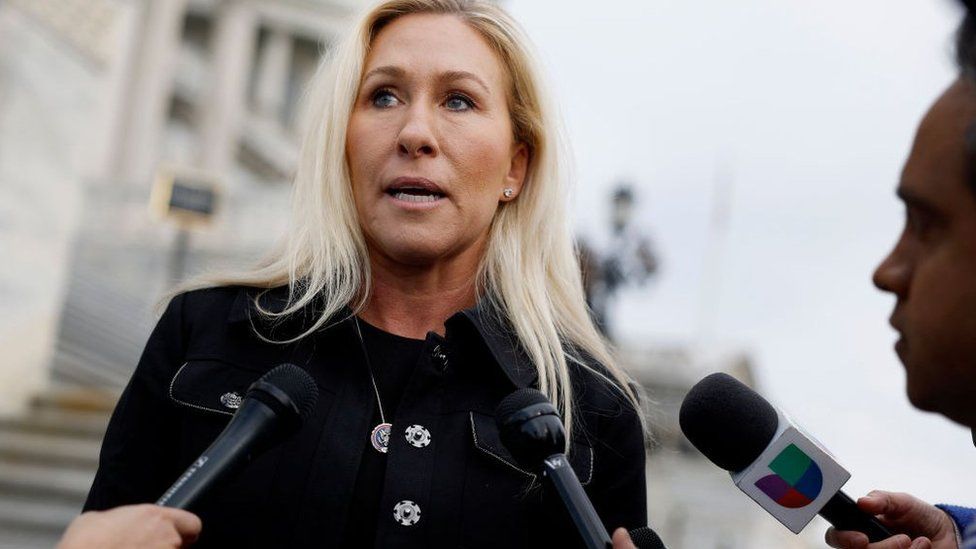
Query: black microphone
[775, 463]
[645, 538]
[274, 408]
[533, 432]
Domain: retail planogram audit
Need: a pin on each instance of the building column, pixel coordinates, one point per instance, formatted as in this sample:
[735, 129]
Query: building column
[274, 66]
[139, 132]
[234, 38]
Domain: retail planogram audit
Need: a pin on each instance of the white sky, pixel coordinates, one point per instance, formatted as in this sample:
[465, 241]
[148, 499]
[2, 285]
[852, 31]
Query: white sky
[810, 107]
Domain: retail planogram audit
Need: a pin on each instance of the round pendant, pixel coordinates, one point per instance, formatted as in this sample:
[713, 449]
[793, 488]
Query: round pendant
[380, 437]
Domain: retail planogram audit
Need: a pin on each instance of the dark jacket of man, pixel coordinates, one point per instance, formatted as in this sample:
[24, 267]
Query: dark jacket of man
[465, 486]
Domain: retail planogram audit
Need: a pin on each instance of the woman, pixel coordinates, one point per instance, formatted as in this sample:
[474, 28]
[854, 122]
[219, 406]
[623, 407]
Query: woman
[428, 273]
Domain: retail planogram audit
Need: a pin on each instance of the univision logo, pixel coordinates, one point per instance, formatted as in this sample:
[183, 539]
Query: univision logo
[797, 480]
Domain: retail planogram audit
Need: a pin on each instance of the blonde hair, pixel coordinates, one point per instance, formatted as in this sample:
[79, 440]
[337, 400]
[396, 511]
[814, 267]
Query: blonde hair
[530, 273]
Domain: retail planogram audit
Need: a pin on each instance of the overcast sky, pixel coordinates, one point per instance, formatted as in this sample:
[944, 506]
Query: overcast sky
[805, 110]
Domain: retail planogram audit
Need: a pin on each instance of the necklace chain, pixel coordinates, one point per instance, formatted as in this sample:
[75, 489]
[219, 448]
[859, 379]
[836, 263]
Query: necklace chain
[369, 368]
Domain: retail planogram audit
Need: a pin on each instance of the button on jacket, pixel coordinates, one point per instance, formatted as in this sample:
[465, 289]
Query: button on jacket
[449, 481]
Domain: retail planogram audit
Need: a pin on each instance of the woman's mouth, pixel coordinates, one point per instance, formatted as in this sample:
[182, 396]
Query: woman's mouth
[419, 196]
[414, 190]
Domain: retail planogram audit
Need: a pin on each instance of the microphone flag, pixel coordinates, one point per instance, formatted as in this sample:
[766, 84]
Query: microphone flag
[793, 478]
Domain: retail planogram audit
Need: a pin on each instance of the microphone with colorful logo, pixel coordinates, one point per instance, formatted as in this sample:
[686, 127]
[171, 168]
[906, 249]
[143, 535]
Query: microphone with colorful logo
[783, 469]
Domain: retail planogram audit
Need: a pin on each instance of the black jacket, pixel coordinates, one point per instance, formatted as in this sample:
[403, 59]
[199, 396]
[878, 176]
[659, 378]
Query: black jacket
[468, 488]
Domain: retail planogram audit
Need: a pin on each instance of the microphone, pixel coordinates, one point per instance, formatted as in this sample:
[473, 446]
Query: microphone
[532, 431]
[783, 469]
[274, 408]
[645, 538]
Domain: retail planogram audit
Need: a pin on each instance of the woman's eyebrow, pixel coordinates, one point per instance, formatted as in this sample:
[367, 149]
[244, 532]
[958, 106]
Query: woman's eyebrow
[386, 70]
[446, 76]
[451, 76]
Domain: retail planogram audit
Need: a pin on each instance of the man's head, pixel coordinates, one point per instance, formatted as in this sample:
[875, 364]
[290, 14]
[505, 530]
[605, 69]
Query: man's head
[932, 268]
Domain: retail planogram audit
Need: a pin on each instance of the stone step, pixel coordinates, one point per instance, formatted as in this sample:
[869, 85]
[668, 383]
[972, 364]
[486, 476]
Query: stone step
[57, 422]
[78, 453]
[47, 462]
[76, 400]
[56, 485]
[32, 519]
[12, 537]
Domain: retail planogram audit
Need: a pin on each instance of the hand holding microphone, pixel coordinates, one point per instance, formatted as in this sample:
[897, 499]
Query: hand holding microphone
[775, 463]
[274, 408]
[923, 526]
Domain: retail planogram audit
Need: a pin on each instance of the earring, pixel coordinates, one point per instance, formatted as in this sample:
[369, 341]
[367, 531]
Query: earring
[509, 193]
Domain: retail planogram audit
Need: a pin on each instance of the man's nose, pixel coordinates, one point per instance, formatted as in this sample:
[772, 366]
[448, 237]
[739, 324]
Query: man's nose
[893, 274]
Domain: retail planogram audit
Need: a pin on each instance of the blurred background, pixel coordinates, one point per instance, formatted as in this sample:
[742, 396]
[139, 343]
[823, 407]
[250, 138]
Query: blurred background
[736, 166]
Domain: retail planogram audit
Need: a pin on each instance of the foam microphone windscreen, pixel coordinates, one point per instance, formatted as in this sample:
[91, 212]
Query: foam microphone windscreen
[645, 538]
[287, 387]
[727, 421]
[517, 401]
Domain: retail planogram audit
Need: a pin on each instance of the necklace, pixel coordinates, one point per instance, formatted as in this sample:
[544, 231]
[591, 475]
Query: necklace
[379, 437]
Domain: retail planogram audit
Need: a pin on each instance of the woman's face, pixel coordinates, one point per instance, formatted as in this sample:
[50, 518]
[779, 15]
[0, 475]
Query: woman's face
[430, 145]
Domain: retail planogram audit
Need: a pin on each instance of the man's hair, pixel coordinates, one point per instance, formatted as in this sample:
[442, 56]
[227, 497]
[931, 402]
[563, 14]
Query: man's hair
[966, 60]
[966, 45]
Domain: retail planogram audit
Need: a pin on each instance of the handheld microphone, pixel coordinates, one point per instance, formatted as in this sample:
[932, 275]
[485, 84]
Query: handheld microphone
[531, 429]
[645, 538]
[787, 472]
[533, 432]
[274, 408]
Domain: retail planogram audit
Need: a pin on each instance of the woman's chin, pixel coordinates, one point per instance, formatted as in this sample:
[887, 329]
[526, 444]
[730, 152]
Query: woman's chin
[415, 252]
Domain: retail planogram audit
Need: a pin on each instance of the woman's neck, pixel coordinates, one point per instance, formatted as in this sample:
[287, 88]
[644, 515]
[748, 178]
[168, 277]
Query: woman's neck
[411, 301]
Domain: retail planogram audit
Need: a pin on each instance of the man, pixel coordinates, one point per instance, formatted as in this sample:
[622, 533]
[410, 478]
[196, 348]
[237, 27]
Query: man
[932, 273]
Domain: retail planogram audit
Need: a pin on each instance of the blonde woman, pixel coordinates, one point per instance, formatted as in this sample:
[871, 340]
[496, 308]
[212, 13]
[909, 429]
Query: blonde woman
[428, 272]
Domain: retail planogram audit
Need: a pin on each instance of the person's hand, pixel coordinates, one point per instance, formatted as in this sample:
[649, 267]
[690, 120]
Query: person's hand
[132, 526]
[621, 539]
[920, 525]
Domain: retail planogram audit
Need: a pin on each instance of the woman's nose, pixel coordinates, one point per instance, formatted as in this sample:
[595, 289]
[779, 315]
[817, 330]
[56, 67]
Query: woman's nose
[416, 138]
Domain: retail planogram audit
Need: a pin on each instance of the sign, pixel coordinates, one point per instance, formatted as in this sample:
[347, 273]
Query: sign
[189, 197]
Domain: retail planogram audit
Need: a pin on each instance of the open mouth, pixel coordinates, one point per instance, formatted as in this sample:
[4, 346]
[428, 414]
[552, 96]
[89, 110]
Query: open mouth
[416, 190]
[415, 194]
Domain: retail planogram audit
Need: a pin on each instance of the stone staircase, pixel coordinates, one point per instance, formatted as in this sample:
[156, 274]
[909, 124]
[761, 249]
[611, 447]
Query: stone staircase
[48, 459]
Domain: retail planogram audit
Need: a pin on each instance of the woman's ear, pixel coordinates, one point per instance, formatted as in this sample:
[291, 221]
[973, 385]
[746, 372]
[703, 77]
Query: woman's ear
[517, 170]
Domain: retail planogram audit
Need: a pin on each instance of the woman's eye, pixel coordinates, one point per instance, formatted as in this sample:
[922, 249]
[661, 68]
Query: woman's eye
[384, 99]
[458, 102]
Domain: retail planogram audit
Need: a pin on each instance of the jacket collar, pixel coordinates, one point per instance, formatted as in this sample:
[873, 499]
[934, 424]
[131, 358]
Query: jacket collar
[501, 341]
[490, 326]
[244, 308]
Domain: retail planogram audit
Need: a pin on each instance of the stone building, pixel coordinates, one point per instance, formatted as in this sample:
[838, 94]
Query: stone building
[99, 100]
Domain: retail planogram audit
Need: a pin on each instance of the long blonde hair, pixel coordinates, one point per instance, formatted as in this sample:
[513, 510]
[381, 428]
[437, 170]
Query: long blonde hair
[530, 273]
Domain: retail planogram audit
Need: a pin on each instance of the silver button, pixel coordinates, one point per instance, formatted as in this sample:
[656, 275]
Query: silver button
[407, 513]
[231, 400]
[440, 358]
[418, 436]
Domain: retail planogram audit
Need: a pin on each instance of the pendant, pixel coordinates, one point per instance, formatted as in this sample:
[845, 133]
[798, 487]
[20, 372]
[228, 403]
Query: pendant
[380, 437]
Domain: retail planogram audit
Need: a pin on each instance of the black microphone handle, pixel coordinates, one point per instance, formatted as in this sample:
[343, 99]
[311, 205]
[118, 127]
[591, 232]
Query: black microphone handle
[844, 514]
[232, 448]
[580, 509]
